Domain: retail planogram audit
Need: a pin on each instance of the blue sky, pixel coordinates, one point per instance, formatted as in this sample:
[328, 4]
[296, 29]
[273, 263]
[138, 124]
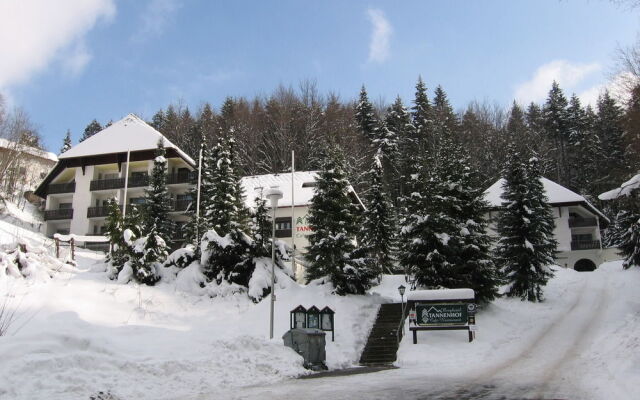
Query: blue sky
[69, 61]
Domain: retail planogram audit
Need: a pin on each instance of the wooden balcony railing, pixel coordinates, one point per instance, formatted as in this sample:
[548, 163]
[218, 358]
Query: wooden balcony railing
[582, 222]
[585, 245]
[181, 177]
[61, 188]
[105, 184]
[181, 205]
[93, 212]
[118, 183]
[61, 213]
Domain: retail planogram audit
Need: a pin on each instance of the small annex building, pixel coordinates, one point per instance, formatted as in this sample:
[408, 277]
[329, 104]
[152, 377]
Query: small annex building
[577, 224]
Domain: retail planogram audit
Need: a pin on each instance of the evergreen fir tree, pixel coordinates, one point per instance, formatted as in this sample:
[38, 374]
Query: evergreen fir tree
[630, 240]
[158, 121]
[114, 231]
[445, 122]
[365, 116]
[577, 137]
[422, 116]
[525, 225]
[66, 144]
[398, 121]
[260, 227]
[610, 131]
[158, 200]
[471, 245]
[378, 227]
[426, 246]
[148, 254]
[556, 125]
[91, 129]
[330, 254]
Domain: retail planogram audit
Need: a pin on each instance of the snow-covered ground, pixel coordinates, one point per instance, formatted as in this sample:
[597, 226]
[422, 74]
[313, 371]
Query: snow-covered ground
[79, 333]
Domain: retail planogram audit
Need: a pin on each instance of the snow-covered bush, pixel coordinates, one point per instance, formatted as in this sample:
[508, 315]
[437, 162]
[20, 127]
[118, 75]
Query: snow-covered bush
[20, 261]
[181, 258]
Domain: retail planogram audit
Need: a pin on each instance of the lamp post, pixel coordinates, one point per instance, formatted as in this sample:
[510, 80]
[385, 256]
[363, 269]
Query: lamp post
[273, 194]
[401, 290]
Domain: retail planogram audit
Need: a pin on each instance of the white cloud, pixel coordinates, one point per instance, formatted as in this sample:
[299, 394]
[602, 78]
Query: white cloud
[76, 58]
[379, 45]
[615, 86]
[33, 33]
[568, 75]
[155, 17]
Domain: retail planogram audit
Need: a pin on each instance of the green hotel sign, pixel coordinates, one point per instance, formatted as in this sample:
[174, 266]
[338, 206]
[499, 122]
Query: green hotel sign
[441, 314]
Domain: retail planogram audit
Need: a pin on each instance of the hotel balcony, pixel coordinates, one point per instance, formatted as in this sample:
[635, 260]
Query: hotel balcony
[61, 213]
[56, 188]
[582, 222]
[585, 245]
[118, 183]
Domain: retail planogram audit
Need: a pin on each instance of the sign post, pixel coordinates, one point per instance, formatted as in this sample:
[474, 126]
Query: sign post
[446, 309]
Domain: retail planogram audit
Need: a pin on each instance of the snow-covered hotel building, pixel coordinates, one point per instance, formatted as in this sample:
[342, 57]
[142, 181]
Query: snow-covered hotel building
[577, 224]
[93, 171]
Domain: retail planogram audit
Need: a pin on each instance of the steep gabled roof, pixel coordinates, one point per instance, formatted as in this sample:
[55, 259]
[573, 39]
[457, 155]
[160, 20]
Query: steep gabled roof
[129, 134]
[557, 195]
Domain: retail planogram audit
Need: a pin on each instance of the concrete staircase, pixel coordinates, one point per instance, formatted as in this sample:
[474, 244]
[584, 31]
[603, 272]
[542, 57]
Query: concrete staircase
[382, 345]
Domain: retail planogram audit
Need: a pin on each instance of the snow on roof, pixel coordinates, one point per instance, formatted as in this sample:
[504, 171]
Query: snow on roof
[7, 144]
[303, 184]
[624, 190]
[129, 134]
[441, 294]
[556, 194]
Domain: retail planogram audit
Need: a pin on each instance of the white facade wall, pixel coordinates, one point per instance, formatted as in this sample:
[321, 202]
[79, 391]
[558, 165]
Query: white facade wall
[563, 234]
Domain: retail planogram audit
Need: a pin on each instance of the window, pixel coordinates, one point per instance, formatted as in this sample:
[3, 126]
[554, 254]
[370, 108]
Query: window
[183, 197]
[283, 227]
[308, 184]
[583, 237]
[64, 206]
[138, 175]
[137, 200]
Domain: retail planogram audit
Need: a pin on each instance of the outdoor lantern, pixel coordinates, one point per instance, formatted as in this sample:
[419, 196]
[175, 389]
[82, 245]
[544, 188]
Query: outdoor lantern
[313, 317]
[299, 317]
[401, 290]
[326, 321]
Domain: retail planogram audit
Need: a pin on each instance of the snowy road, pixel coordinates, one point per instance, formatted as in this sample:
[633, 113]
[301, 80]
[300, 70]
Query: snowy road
[547, 366]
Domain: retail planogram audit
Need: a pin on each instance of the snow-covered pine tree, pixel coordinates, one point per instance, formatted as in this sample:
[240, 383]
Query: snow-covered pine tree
[609, 127]
[398, 121]
[474, 266]
[377, 235]
[66, 144]
[630, 240]
[525, 225]
[260, 227]
[556, 125]
[445, 121]
[226, 247]
[365, 116]
[330, 254]
[424, 241]
[91, 129]
[147, 255]
[113, 230]
[422, 116]
[158, 200]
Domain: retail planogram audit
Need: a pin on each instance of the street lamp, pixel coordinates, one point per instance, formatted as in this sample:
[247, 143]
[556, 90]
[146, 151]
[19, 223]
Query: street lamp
[273, 194]
[401, 290]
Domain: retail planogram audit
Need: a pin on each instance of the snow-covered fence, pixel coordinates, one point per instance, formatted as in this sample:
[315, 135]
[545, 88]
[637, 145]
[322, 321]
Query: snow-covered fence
[72, 239]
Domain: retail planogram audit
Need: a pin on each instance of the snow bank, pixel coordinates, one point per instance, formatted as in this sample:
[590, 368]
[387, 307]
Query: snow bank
[441, 294]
